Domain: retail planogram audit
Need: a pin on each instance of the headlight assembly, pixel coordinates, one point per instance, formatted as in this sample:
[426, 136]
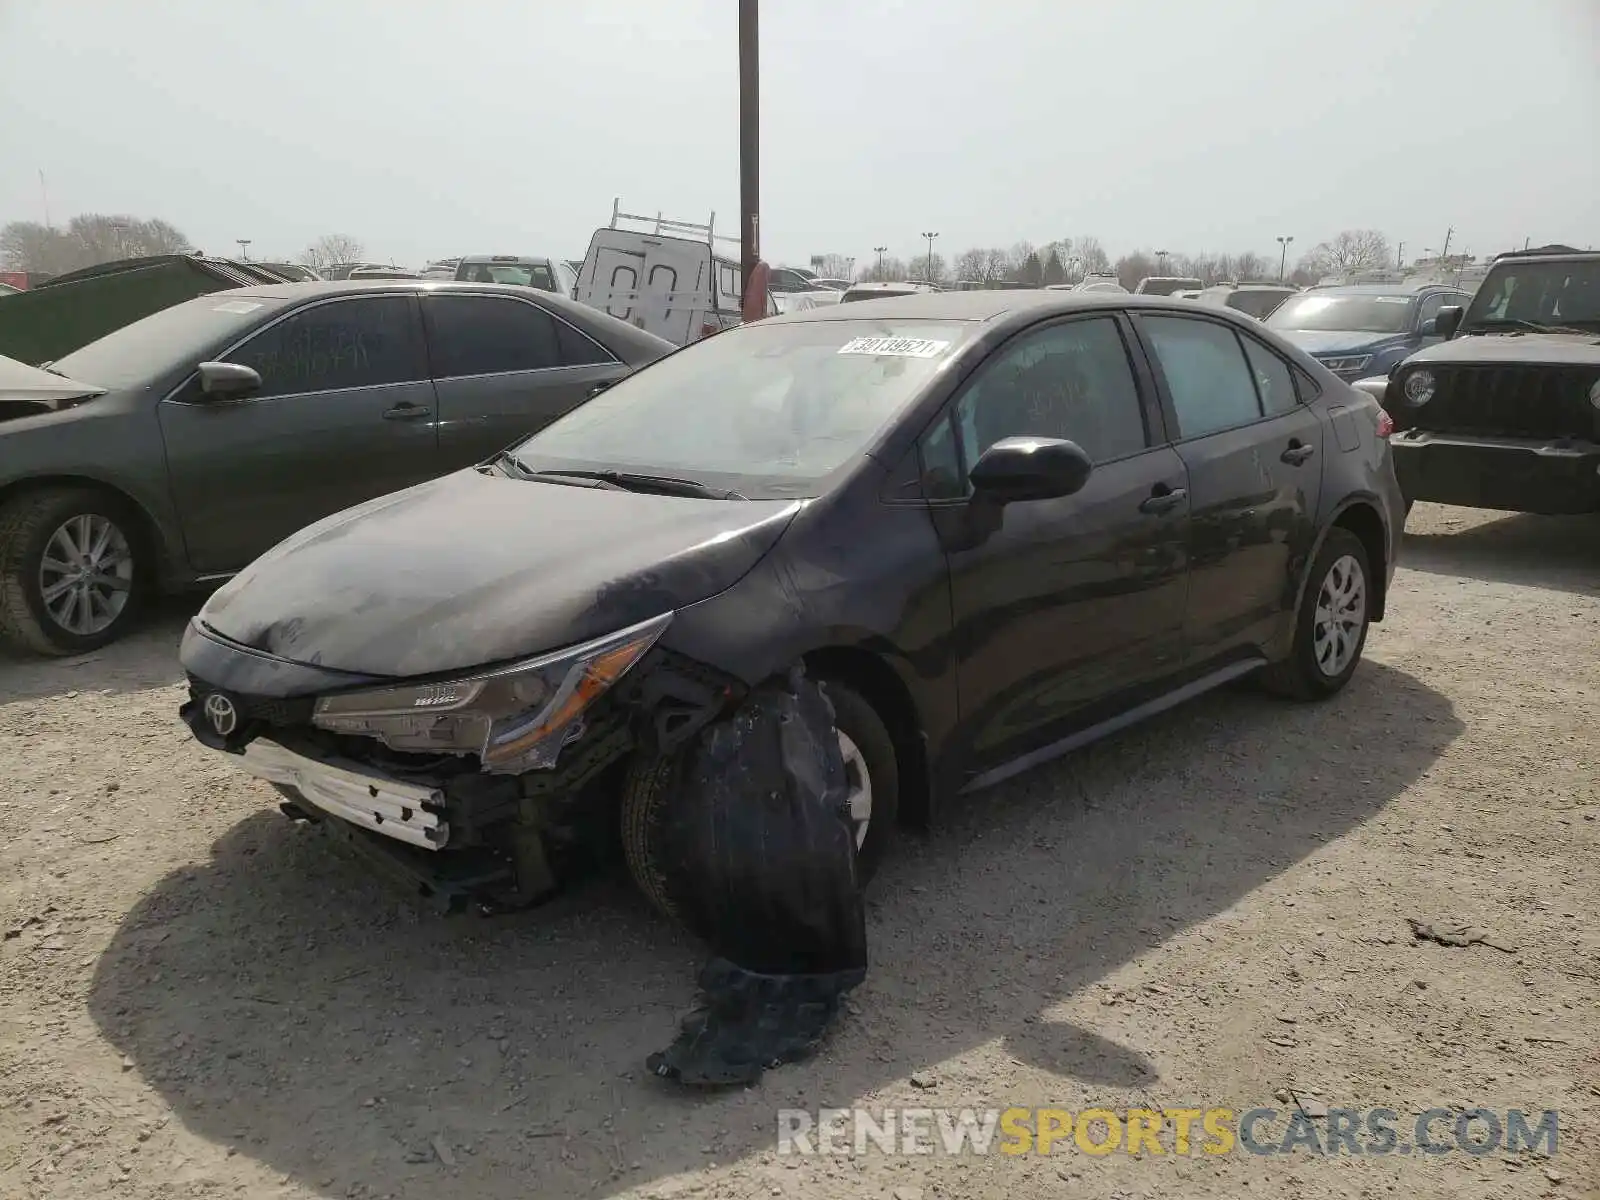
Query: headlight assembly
[516, 719]
[1347, 365]
[1419, 387]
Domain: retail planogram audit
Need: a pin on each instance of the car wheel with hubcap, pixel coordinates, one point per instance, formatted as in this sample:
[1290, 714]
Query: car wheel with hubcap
[70, 570]
[872, 777]
[1331, 626]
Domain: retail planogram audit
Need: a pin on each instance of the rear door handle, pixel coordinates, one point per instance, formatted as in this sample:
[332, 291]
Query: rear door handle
[1298, 452]
[1162, 502]
[406, 412]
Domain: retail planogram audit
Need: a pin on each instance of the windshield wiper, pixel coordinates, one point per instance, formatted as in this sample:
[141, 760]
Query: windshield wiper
[635, 482]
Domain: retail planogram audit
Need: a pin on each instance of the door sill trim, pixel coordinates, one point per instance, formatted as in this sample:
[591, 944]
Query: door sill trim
[1122, 720]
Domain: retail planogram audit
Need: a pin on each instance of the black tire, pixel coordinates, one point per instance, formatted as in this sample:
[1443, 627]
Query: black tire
[27, 524]
[650, 784]
[1301, 676]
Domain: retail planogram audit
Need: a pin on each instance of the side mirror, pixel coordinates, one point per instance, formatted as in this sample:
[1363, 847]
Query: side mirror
[227, 381]
[1030, 468]
[1448, 321]
[1429, 328]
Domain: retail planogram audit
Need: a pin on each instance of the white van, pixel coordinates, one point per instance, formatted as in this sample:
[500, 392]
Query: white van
[669, 280]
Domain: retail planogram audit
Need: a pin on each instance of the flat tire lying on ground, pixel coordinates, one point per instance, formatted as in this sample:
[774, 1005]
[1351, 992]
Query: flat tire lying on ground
[1330, 629]
[72, 570]
[870, 767]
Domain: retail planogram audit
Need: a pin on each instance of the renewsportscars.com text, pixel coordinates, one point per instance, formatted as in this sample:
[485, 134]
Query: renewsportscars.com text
[1177, 1131]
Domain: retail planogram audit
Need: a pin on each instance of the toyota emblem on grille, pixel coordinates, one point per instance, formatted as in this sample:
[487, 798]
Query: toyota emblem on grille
[222, 713]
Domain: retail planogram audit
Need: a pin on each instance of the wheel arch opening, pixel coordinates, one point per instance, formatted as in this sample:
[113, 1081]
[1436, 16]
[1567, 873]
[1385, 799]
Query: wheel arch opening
[1363, 521]
[880, 687]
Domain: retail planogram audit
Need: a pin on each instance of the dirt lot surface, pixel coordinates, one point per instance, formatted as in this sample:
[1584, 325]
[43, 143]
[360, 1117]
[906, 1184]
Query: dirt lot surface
[200, 998]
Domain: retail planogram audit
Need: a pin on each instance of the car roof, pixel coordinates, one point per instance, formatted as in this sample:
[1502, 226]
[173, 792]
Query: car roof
[339, 287]
[982, 305]
[505, 258]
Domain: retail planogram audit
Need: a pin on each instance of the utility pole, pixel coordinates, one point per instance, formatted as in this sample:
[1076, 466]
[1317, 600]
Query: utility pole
[1400, 257]
[749, 139]
[1448, 234]
[930, 237]
[1527, 241]
[879, 251]
[44, 195]
[1283, 257]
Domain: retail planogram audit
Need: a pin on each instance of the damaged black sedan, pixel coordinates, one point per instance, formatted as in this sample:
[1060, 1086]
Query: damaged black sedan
[753, 606]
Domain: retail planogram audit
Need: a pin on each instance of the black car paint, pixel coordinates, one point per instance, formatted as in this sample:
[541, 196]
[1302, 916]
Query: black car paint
[145, 446]
[936, 609]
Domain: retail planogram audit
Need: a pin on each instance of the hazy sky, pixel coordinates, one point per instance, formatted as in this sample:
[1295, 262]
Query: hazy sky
[430, 129]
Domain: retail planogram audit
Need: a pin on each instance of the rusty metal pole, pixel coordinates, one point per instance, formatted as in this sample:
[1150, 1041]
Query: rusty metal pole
[749, 140]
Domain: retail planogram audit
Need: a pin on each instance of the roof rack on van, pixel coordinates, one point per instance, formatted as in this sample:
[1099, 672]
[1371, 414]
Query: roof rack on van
[669, 228]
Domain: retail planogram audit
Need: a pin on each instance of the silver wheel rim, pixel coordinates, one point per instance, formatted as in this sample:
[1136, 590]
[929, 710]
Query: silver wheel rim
[859, 782]
[86, 574]
[1341, 616]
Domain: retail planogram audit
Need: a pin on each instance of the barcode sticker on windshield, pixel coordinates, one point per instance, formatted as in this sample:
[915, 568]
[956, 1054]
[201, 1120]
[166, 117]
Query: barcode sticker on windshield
[900, 347]
[1393, 299]
[237, 306]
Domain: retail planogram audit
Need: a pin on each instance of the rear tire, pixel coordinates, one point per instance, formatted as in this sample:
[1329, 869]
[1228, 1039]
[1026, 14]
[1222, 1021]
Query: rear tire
[73, 570]
[870, 764]
[1331, 626]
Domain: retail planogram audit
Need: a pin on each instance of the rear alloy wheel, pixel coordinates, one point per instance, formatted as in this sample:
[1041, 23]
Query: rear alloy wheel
[1331, 626]
[69, 575]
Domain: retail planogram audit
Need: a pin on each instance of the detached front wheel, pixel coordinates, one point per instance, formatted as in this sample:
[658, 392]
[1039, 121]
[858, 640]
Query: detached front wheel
[69, 570]
[872, 780]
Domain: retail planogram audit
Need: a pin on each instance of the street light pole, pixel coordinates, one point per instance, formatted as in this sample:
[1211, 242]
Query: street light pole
[930, 237]
[1161, 261]
[749, 140]
[1283, 257]
[244, 248]
[879, 251]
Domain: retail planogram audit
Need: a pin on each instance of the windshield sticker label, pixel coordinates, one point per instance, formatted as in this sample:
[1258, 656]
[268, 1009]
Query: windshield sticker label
[237, 306]
[1393, 299]
[900, 347]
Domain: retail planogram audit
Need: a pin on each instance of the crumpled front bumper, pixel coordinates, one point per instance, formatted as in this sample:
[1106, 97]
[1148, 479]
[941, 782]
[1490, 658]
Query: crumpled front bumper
[352, 792]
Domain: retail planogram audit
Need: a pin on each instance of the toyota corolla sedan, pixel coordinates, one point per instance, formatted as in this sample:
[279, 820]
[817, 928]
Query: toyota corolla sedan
[995, 526]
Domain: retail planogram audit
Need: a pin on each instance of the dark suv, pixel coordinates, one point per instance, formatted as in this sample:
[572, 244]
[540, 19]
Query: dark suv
[1362, 330]
[1505, 413]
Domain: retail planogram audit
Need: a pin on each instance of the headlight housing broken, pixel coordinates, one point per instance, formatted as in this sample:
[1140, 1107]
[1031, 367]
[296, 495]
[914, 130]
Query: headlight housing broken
[515, 719]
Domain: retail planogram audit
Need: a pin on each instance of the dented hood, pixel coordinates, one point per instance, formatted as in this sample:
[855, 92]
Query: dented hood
[19, 381]
[477, 568]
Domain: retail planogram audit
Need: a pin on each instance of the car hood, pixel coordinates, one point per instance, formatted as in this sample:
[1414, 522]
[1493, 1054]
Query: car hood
[26, 390]
[477, 568]
[1340, 341]
[1550, 349]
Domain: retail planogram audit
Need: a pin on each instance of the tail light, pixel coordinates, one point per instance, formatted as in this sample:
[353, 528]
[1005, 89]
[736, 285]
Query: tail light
[1385, 423]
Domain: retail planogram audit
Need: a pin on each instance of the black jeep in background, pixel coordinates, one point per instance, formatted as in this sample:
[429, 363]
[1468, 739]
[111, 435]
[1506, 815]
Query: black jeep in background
[1505, 412]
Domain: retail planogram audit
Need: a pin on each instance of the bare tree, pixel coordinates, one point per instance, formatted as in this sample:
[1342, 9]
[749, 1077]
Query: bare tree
[998, 266]
[1091, 255]
[87, 240]
[1019, 255]
[332, 249]
[888, 271]
[1351, 250]
[919, 268]
[1131, 268]
[972, 265]
[834, 266]
[1251, 265]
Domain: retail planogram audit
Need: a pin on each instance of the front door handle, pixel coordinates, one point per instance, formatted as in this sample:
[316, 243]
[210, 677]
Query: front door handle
[406, 412]
[1163, 501]
[1298, 452]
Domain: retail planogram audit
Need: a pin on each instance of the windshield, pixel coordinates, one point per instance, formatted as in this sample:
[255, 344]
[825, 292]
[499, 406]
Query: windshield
[766, 410]
[1545, 293]
[1165, 287]
[1324, 312]
[536, 275]
[141, 353]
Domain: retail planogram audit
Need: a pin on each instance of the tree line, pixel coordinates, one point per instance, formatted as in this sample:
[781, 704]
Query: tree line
[90, 239]
[1069, 260]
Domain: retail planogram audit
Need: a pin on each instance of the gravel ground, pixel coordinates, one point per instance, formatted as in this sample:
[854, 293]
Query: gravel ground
[199, 998]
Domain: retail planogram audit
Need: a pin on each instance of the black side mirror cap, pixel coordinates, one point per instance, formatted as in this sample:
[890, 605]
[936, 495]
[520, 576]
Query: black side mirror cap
[1030, 468]
[228, 381]
[1448, 321]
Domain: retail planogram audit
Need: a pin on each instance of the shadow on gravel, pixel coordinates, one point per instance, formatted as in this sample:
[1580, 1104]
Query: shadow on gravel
[1559, 553]
[284, 1004]
[146, 658]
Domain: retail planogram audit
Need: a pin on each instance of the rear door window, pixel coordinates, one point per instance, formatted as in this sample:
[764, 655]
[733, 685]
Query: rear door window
[489, 335]
[1274, 381]
[1207, 374]
[361, 342]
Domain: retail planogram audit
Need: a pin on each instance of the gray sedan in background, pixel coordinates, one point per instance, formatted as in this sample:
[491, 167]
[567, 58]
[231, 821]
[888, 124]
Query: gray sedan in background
[201, 436]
